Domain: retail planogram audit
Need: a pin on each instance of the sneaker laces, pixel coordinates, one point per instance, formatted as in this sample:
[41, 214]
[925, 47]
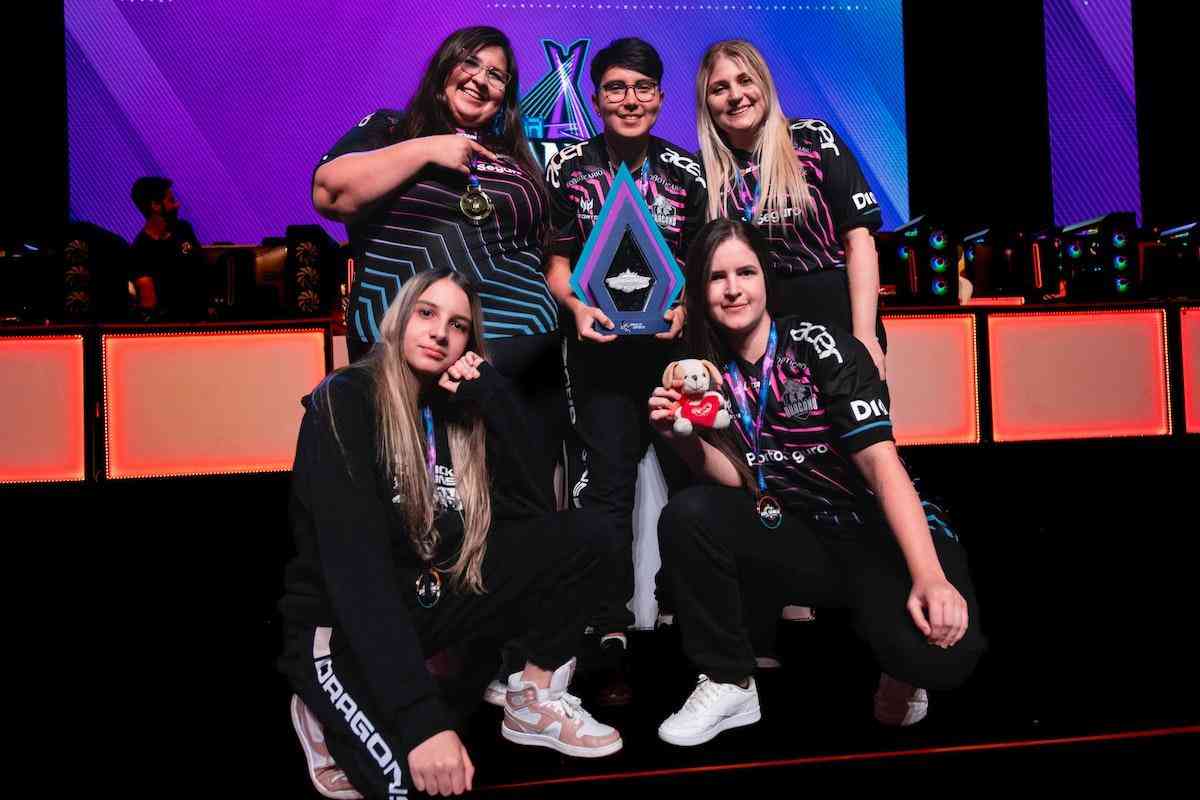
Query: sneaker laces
[704, 695]
[569, 705]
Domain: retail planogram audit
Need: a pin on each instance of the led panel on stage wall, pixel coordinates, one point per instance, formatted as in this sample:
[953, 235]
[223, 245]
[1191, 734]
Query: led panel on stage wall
[933, 378]
[206, 403]
[1079, 374]
[1189, 329]
[41, 409]
[237, 101]
[1092, 107]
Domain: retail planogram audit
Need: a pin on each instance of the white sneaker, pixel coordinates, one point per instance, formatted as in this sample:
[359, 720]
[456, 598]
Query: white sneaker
[495, 692]
[898, 704]
[713, 707]
[555, 718]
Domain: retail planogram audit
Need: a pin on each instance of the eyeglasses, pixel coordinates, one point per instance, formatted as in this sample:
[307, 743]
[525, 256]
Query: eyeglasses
[615, 91]
[472, 65]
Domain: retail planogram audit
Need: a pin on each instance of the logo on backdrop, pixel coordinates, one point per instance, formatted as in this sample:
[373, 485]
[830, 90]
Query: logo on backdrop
[555, 108]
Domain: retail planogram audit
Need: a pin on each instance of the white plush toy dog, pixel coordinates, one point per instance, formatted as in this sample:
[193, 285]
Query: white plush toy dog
[699, 405]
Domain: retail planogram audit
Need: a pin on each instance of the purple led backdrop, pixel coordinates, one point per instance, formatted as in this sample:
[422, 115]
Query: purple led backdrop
[1093, 109]
[235, 101]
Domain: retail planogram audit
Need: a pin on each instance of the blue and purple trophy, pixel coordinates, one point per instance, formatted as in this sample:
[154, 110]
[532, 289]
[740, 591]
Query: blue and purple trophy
[626, 269]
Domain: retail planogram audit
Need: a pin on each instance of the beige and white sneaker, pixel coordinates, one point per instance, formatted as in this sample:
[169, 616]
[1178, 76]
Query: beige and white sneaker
[712, 707]
[495, 693]
[898, 704]
[555, 718]
[327, 777]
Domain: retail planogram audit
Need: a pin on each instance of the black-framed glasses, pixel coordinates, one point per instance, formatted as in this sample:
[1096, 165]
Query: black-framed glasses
[472, 65]
[615, 91]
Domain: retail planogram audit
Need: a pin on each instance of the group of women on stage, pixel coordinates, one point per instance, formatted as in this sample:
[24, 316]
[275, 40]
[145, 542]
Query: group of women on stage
[424, 506]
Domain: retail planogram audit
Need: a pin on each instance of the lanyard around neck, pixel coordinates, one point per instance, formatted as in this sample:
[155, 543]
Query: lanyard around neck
[753, 427]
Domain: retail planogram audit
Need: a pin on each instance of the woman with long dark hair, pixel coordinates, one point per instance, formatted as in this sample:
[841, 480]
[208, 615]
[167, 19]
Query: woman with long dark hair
[418, 526]
[450, 182]
[805, 501]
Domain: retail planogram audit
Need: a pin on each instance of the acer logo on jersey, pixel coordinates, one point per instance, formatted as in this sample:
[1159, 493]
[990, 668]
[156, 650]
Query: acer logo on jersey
[686, 164]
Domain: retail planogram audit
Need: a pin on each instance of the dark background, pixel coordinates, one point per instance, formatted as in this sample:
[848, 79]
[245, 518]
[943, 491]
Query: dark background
[143, 611]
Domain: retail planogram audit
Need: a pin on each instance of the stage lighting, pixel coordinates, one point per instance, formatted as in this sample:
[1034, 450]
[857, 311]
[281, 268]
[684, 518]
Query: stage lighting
[1098, 264]
[94, 263]
[311, 273]
[997, 262]
[1170, 261]
[926, 262]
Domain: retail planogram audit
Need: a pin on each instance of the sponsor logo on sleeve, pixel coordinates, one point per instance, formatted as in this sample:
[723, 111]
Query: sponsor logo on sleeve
[864, 199]
[863, 410]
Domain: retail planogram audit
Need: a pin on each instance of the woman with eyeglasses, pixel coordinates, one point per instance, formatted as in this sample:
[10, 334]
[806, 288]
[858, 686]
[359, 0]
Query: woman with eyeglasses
[450, 183]
[798, 182]
[609, 375]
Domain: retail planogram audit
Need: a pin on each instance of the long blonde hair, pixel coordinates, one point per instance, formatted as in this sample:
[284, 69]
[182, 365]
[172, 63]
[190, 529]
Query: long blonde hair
[401, 444]
[780, 176]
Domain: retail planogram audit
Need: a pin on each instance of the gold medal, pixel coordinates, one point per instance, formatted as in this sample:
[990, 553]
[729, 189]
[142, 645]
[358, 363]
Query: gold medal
[475, 204]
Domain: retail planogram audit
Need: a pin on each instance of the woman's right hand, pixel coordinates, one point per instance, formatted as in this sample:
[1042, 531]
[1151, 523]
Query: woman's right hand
[662, 411]
[455, 152]
[585, 315]
[440, 765]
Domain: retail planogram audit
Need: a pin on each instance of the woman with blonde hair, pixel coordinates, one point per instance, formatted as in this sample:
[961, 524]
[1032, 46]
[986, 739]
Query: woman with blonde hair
[797, 181]
[419, 525]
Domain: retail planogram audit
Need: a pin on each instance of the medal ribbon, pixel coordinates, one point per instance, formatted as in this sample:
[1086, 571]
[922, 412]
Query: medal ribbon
[472, 178]
[429, 582]
[643, 179]
[753, 428]
[430, 443]
[747, 200]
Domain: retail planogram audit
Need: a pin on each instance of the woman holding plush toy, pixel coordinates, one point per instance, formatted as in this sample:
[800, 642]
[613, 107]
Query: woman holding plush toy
[811, 503]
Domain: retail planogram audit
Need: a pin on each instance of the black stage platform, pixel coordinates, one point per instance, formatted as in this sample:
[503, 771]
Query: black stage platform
[1084, 555]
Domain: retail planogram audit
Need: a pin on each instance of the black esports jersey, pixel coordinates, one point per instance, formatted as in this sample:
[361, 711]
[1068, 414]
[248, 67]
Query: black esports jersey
[579, 177]
[827, 402]
[420, 226]
[801, 241]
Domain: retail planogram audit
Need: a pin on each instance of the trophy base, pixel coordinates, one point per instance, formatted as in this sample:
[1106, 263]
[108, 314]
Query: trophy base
[635, 327]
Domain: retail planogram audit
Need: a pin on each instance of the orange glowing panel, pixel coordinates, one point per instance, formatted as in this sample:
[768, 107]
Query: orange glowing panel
[41, 409]
[933, 378]
[206, 403]
[1189, 327]
[341, 355]
[1079, 375]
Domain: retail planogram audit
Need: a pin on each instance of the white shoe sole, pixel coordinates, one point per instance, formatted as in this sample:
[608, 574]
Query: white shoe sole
[542, 740]
[736, 721]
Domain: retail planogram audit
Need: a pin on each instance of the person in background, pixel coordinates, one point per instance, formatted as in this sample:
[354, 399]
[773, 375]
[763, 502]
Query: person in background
[166, 267]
